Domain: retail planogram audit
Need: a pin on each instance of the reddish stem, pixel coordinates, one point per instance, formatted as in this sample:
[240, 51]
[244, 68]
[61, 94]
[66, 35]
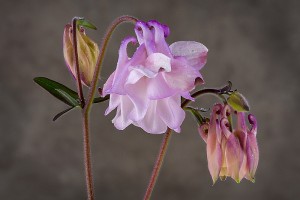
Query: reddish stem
[158, 164]
[77, 70]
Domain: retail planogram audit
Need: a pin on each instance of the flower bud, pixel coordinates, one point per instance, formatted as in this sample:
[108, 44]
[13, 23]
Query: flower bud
[88, 52]
[238, 102]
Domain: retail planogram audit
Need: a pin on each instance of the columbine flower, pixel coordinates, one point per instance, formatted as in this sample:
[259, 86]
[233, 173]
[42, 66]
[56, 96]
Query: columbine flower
[88, 52]
[147, 88]
[232, 153]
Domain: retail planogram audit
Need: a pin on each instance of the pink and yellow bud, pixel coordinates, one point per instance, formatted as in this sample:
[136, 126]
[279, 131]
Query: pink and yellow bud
[232, 153]
[88, 52]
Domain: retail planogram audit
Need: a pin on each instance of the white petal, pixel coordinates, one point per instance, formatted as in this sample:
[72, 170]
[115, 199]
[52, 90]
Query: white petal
[194, 52]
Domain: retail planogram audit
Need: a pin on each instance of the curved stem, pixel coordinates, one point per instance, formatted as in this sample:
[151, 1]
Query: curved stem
[78, 78]
[216, 92]
[166, 140]
[158, 164]
[89, 102]
[100, 59]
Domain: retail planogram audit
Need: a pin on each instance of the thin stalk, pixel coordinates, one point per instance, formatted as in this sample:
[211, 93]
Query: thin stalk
[166, 140]
[77, 70]
[89, 102]
[216, 92]
[87, 158]
[158, 164]
[100, 59]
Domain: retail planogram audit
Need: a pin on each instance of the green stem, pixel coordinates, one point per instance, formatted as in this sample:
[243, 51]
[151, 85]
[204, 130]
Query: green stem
[166, 140]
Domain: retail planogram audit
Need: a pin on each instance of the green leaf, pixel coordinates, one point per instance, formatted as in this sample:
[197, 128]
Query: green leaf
[200, 120]
[238, 102]
[62, 113]
[59, 91]
[96, 100]
[100, 99]
[83, 22]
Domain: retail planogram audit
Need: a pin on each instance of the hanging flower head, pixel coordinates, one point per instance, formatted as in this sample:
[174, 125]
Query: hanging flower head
[147, 88]
[88, 52]
[232, 153]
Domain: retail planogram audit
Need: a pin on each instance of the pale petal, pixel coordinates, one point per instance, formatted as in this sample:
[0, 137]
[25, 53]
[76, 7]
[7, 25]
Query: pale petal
[160, 32]
[157, 61]
[108, 85]
[121, 72]
[214, 121]
[241, 122]
[252, 153]
[152, 123]
[122, 119]
[194, 52]
[214, 152]
[138, 72]
[170, 111]
[234, 157]
[114, 101]
[138, 96]
[68, 49]
[252, 148]
[234, 153]
[157, 88]
[145, 36]
[242, 137]
[182, 77]
[139, 57]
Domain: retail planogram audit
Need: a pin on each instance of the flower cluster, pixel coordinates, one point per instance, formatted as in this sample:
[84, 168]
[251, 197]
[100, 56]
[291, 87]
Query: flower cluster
[232, 153]
[147, 88]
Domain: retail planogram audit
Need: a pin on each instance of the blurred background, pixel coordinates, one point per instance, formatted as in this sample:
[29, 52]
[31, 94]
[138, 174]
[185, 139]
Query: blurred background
[255, 44]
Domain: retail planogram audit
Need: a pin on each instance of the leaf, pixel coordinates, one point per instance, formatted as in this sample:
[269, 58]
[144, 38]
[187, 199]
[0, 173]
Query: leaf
[62, 113]
[200, 120]
[83, 22]
[100, 99]
[96, 100]
[58, 90]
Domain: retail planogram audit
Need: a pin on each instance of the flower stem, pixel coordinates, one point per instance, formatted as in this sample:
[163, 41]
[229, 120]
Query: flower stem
[87, 157]
[100, 59]
[78, 78]
[158, 164]
[166, 140]
[216, 92]
[87, 106]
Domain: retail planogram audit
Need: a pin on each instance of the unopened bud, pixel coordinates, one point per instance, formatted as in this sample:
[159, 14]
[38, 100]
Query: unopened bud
[238, 102]
[88, 52]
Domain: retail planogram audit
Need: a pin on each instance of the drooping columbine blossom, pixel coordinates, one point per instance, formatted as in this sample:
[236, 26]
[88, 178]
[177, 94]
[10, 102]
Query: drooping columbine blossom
[88, 52]
[212, 135]
[147, 88]
[232, 153]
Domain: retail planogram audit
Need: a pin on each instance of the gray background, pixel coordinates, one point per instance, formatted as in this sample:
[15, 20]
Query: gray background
[255, 44]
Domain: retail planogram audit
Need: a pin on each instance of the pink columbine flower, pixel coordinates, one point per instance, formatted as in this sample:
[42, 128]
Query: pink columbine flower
[232, 153]
[147, 88]
[88, 52]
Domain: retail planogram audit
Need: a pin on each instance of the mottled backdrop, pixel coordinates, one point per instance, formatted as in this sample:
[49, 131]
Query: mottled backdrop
[255, 44]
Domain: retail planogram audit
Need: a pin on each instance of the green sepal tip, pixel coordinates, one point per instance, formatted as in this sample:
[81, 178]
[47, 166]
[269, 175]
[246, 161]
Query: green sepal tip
[83, 22]
[238, 102]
